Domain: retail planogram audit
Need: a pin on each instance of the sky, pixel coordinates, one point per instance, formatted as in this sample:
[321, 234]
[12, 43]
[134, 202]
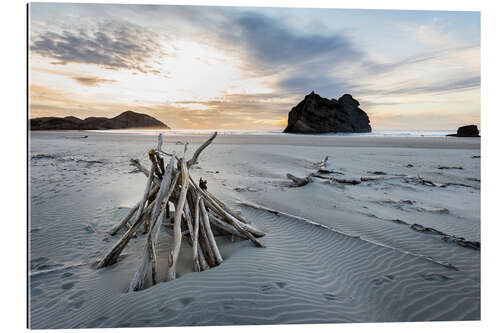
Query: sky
[196, 67]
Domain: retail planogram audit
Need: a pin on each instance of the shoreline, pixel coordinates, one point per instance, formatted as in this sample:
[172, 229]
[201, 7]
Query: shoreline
[301, 140]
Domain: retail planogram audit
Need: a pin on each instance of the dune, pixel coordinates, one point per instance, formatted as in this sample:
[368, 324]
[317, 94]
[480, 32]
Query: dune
[377, 251]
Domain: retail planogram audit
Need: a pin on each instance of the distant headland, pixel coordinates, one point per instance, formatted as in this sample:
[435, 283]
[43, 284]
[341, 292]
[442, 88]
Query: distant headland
[127, 119]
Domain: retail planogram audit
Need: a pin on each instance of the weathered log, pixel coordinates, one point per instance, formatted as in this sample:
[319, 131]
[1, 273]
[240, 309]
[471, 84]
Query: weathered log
[188, 214]
[154, 260]
[222, 225]
[149, 256]
[174, 253]
[208, 231]
[368, 179]
[160, 142]
[229, 218]
[146, 195]
[161, 162]
[198, 151]
[319, 175]
[131, 213]
[203, 184]
[165, 188]
[111, 257]
[205, 246]
[256, 232]
[325, 171]
[124, 221]
[196, 259]
[189, 221]
[322, 165]
[145, 225]
[144, 170]
[346, 181]
[139, 278]
[299, 181]
[245, 225]
[154, 164]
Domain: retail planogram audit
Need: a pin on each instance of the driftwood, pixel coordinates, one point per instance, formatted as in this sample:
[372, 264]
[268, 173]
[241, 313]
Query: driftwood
[174, 253]
[131, 213]
[320, 173]
[345, 181]
[226, 216]
[198, 151]
[196, 259]
[210, 235]
[324, 173]
[149, 257]
[197, 212]
[298, 181]
[223, 226]
[146, 194]
[190, 240]
[245, 224]
[322, 164]
[124, 221]
[114, 253]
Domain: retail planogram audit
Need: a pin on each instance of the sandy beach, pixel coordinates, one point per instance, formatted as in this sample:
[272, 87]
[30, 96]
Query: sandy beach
[392, 249]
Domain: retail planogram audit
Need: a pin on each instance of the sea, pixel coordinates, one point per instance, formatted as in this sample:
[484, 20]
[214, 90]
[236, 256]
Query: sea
[177, 132]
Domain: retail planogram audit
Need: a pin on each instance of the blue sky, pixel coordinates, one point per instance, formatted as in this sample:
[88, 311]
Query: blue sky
[235, 67]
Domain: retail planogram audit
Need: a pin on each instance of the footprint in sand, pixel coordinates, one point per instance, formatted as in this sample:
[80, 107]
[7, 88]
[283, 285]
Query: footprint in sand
[336, 298]
[330, 297]
[76, 304]
[281, 285]
[68, 286]
[385, 279]
[76, 300]
[269, 288]
[185, 301]
[36, 292]
[266, 289]
[228, 305]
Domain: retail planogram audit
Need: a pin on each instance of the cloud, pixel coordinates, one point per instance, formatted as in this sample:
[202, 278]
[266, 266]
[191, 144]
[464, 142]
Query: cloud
[373, 67]
[249, 111]
[91, 81]
[434, 88]
[233, 111]
[112, 45]
[333, 65]
[301, 61]
[269, 42]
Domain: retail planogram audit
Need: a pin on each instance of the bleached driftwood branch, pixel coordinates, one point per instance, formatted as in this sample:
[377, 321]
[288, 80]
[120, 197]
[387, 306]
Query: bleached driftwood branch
[174, 253]
[149, 256]
[198, 151]
[298, 181]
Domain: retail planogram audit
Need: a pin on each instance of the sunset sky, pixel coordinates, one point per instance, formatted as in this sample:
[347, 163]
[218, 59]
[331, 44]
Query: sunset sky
[245, 68]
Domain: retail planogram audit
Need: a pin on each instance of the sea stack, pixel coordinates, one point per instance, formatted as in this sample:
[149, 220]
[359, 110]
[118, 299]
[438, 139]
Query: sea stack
[315, 114]
[467, 131]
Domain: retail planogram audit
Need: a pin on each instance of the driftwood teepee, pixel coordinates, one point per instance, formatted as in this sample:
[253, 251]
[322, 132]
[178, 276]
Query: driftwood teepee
[198, 213]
